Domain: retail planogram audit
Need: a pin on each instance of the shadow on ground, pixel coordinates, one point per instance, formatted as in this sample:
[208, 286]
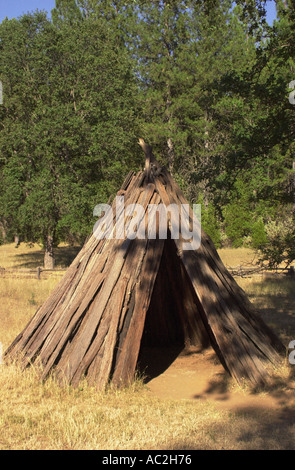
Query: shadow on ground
[249, 428]
[64, 255]
[275, 300]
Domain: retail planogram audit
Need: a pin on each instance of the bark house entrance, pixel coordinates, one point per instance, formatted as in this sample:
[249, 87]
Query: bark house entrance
[175, 319]
[120, 296]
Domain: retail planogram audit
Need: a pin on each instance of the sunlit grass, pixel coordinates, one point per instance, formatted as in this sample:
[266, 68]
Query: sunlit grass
[237, 257]
[27, 256]
[19, 300]
[45, 416]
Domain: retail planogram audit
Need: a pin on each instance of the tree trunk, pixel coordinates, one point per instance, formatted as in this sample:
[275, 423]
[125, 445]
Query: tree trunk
[49, 260]
[171, 155]
[3, 231]
[16, 240]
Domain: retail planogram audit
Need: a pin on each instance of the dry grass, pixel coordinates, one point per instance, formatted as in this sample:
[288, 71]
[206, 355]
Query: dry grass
[36, 415]
[236, 257]
[19, 299]
[31, 256]
[48, 417]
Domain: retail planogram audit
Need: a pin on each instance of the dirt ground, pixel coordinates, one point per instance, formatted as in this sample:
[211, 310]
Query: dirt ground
[200, 375]
[255, 420]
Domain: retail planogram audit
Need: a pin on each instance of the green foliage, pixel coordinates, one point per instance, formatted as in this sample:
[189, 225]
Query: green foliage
[258, 234]
[237, 222]
[280, 240]
[206, 83]
[210, 223]
[68, 124]
[66, 11]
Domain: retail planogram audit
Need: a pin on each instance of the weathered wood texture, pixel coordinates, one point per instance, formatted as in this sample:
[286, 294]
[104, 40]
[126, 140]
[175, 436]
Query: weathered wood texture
[119, 293]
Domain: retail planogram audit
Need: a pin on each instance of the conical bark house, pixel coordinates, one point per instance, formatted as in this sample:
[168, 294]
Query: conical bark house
[122, 292]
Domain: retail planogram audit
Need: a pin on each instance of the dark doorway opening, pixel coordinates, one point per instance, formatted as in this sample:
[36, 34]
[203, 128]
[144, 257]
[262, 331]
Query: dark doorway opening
[173, 322]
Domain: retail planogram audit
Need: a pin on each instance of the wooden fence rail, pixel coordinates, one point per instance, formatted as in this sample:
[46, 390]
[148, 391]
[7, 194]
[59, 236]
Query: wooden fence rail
[244, 271]
[35, 273]
[238, 271]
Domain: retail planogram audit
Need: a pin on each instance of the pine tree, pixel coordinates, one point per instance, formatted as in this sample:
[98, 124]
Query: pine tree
[66, 11]
[67, 127]
[192, 58]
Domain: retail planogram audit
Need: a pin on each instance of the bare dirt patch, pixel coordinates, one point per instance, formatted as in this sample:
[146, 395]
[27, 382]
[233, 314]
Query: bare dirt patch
[253, 420]
[200, 376]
